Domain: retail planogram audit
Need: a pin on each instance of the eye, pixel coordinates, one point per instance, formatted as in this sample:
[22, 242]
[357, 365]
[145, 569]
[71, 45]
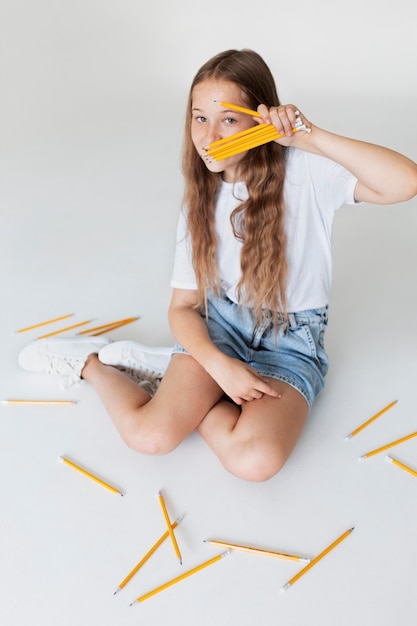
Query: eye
[201, 119]
[230, 120]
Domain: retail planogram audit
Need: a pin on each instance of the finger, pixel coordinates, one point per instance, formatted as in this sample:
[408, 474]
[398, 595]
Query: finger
[266, 389]
[264, 113]
[284, 119]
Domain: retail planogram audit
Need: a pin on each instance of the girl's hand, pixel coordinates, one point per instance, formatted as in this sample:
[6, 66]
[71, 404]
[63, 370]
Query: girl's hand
[239, 381]
[284, 119]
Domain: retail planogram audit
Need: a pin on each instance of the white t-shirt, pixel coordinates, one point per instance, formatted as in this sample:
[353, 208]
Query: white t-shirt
[315, 187]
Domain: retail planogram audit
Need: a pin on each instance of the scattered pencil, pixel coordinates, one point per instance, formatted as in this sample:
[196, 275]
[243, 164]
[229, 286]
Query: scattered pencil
[280, 555]
[402, 465]
[91, 476]
[388, 445]
[40, 402]
[56, 319]
[63, 330]
[169, 527]
[179, 578]
[146, 557]
[371, 419]
[316, 560]
[104, 328]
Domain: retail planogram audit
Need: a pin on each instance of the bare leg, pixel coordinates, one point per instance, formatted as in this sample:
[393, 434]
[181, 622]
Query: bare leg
[155, 425]
[255, 440]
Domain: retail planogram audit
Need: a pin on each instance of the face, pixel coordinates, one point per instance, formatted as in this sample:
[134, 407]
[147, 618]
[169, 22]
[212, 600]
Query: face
[211, 121]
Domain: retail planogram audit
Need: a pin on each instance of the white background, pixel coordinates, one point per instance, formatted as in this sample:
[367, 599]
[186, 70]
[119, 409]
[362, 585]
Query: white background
[91, 120]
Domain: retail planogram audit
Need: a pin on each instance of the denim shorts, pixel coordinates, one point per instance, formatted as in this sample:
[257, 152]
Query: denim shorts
[295, 354]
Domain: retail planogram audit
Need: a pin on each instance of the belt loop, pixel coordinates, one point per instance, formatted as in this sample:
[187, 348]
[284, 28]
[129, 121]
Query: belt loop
[292, 322]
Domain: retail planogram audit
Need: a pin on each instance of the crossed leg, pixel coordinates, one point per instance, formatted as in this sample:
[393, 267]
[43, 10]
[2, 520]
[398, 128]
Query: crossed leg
[155, 425]
[255, 440]
[252, 441]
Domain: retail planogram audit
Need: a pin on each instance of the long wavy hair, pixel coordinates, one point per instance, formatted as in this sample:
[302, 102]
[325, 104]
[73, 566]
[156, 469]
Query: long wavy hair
[257, 222]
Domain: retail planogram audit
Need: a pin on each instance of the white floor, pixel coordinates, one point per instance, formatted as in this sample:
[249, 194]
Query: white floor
[89, 203]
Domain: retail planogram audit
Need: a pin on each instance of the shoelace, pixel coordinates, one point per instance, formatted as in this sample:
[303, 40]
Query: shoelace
[142, 375]
[147, 372]
[68, 368]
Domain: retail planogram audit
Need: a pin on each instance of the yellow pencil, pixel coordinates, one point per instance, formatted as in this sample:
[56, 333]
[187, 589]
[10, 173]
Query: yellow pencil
[388, 445]
[258, 138]
[179, 578]
[63, 330]
[146, 557]
[169, 527]
[316, 560]
[402, 465]
[237, 107]
[233, 546]
[106, 327]
[259, 141]
[262, 136]
[56, 319]
[54, 402]
[240, 135]
[371, 419]
[91, 476]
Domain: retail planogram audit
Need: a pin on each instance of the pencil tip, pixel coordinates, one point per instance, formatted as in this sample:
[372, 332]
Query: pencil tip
[348, 437]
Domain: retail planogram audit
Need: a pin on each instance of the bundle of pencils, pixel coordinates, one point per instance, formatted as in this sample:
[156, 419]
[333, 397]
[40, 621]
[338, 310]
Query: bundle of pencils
[249, 138]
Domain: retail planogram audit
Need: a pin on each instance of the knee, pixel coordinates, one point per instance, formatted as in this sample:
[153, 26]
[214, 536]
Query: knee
[256, 464]
[152, 441]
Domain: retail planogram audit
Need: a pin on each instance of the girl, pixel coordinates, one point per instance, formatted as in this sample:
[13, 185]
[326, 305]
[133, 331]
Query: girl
[251, 281]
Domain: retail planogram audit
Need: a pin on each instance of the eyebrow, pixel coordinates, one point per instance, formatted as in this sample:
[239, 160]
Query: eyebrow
[220, 110]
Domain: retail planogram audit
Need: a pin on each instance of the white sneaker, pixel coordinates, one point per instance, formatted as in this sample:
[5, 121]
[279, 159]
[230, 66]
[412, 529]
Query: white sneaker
[64, 356]
[145, 364]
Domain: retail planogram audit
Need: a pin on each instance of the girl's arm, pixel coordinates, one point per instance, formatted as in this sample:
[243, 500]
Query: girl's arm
[384, 176]
[237, 380]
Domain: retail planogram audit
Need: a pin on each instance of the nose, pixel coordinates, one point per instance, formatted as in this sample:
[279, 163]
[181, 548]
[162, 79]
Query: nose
[213, 133]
